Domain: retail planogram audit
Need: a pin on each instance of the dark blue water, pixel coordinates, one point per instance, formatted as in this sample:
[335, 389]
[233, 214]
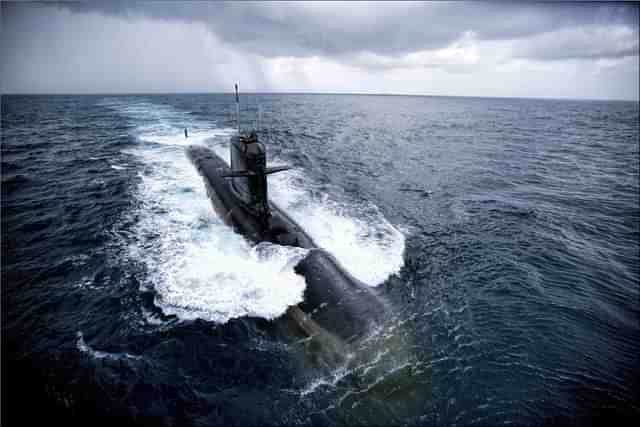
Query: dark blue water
[503, 232]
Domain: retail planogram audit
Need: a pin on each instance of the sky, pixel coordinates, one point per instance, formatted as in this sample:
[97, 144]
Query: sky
[551, 50]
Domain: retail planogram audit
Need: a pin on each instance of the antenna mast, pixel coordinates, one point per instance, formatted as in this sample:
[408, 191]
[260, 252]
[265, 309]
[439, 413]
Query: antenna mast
[237, 108]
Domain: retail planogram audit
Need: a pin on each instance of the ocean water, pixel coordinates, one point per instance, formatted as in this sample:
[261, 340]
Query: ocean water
[502, 232]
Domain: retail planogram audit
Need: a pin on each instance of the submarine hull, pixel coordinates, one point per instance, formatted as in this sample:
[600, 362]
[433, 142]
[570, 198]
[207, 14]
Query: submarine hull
[336, 304]
[282, 229]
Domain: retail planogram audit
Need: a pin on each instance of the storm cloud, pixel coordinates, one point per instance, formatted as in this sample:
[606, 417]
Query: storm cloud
[389, 28]
[311, 46]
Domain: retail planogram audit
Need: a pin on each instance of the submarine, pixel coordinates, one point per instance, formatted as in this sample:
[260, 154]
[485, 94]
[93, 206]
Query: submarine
[337, 308]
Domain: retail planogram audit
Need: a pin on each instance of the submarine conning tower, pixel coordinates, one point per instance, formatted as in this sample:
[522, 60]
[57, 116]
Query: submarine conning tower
[248, 166]
[249, 173]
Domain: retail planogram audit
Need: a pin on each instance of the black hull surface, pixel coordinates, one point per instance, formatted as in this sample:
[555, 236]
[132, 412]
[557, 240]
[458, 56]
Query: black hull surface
[282, 229]
[336, 305]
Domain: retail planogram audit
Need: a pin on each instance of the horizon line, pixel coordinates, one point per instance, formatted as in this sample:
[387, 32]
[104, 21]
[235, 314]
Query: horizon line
[550, 98]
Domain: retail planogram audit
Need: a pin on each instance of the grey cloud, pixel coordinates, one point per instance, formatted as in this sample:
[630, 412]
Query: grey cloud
[436, 48]
[44, 50]
[581, 43]
[291, 29]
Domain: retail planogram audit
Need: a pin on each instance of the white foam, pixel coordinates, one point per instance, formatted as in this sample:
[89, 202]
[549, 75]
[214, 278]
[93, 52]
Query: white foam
[199, 267]
[174, 136]
[360, 237]
[83, 347]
